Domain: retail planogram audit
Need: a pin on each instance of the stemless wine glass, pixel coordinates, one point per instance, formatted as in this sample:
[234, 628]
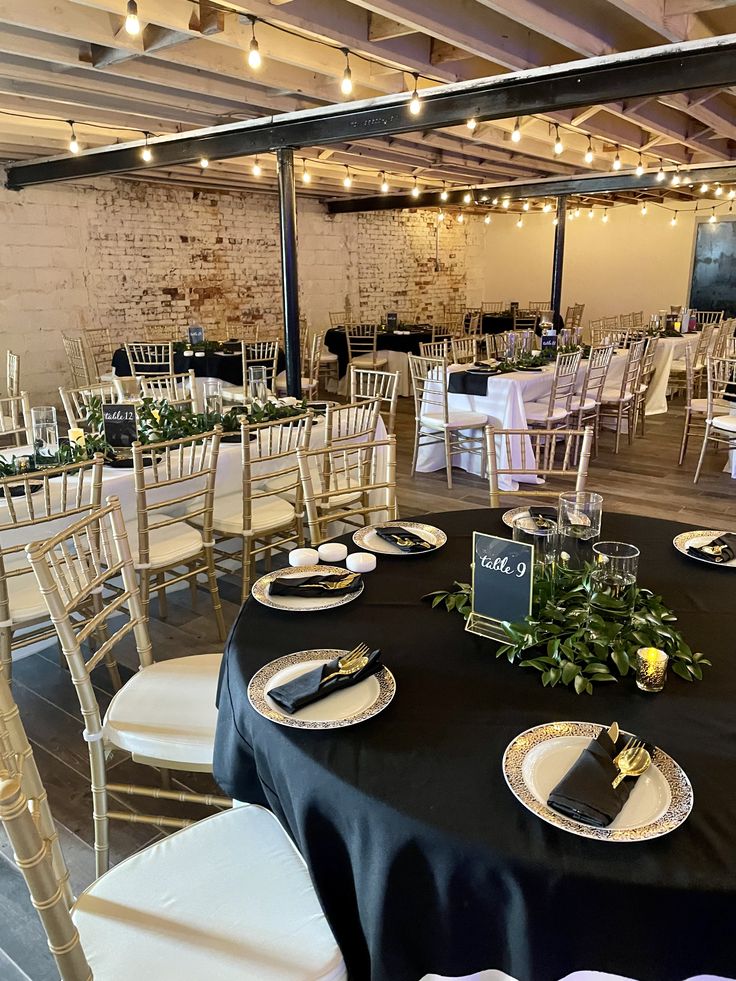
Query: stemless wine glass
[257, 383]
[212, 395]
[45, 432]
[579, 520]
[613, 579]
[542, 534]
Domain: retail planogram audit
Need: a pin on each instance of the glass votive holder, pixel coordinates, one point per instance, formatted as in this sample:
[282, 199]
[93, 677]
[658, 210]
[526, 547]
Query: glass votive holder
[542, 534]
[651, 669]
[212, 394]
[303, 556]
[579, 524]
[257, 387]
[332, 552]
[613, 579]
[45, 432]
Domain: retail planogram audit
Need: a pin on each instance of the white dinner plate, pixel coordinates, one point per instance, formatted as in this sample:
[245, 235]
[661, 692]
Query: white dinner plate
[302, 604]
[366, 538]
[698, 538]
[346, 707]
[508, 517]
[536, 760]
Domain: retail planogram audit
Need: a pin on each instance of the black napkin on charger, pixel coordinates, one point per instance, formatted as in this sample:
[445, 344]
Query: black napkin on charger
[308, 687]
[316, 585]
[395, 535]
[586, 793]
[726, 554]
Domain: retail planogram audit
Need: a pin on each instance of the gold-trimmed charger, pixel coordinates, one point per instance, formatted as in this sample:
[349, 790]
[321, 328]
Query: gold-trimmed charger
[346, 707]
[535, 761]
[302, 604]
[367, 539]
[699, 537]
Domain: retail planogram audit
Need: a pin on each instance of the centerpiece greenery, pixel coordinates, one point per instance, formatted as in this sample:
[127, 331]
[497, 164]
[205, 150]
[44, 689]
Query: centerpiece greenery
[568, 643]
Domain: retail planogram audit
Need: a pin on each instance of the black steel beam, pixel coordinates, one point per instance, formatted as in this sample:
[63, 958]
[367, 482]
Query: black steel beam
[289, 271]
[558, 257]
[708, 63]
[484, 194]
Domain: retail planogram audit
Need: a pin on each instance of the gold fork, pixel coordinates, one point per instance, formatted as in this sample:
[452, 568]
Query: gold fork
[351, 662]
[632, 761]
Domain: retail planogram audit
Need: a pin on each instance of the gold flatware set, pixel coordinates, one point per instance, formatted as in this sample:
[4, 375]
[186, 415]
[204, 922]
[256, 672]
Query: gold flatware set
[350, 663]
[633, 760]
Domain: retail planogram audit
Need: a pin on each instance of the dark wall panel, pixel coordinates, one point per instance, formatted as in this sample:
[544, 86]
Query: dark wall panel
[713, 285]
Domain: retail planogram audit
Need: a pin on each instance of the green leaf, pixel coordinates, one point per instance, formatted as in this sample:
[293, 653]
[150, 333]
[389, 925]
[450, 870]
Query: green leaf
[682, 671]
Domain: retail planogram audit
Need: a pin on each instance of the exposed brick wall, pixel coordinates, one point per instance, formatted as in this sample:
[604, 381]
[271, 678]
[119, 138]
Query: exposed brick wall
[114, 257]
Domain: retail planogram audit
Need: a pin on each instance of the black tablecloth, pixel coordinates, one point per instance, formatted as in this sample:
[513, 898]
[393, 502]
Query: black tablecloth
[422, 858]
[337, 343]
[228, 367]
[497, 323]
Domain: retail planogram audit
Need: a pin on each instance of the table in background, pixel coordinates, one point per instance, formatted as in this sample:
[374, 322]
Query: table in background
[395, 345]
[422, 858]
[215, 364]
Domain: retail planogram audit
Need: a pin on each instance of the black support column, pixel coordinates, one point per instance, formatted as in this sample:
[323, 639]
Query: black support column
[558, 256]
[289, 272]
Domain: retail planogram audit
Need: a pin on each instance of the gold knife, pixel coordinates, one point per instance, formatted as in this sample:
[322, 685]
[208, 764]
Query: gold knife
[613, 733]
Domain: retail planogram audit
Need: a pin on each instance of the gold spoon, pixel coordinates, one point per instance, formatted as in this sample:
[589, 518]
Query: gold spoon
[632, 762]
[349, 663]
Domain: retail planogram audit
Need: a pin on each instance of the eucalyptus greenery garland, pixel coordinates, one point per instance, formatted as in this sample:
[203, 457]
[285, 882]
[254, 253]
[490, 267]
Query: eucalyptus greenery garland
[569, 643]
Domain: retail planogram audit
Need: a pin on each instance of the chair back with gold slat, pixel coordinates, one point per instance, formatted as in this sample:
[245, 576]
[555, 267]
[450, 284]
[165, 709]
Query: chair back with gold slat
[611, 323]
[384, 385]
[15, 420]
[495, 345]
[646, 371]
[12, 374]
[261, 354]
[554, 453]
[626, 320]
[150, 358]
[429, 385]
[473, 322]
[435, 349]
[346, 481]
[564, 381]
[596, 372]
[160, 333]
[493, 306]
[82, 369]
[352, 420]
[362, 341]
[538, 306]
[78, 401]
[179, 390]
[464, 349]
[708, 316]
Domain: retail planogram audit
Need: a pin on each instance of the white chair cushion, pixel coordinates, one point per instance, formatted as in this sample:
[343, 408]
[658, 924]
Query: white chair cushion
[539, 412]
[699, 405]
[614, 395]
[167, 711]
[367, 361]
[577, 404]
[327, 357]
[457, 420]
[267, 514]
[26, 601]
[307, 383]
[232, 393]
[726, 423]
[228, 898]
[170, 545]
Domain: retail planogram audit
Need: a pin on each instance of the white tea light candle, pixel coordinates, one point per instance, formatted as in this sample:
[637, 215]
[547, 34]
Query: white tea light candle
[332, 552]
[361, 562]
[303, 556]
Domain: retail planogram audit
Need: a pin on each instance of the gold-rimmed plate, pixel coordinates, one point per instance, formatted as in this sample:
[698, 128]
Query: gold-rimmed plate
[536, 760]
[508, 517]
[368, 539]
[699, 538]
[302, 604]
[346, 707]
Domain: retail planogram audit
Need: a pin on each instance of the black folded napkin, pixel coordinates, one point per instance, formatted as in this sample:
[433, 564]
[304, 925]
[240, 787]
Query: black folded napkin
[542, 511]
[724, 544]
[316, 585]
[308, 688]
[586, 793]
[405, 540]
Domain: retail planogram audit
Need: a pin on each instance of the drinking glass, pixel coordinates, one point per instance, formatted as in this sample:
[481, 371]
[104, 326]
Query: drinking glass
[212, 396]
[542, 534]
[511, 349]
[613, 579]
[45, 432]
[257, 387]
[565, 337]
[579, 522]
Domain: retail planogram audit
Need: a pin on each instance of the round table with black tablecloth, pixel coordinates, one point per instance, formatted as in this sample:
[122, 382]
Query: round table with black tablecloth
[227, 367]
[497, 323]
[408, 343]
[422, 858]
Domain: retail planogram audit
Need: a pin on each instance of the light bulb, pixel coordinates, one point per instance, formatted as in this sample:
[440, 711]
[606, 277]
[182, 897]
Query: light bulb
[384, 185]
[639, 167]
[347, 181]
[718, 191]
[505, 203]
[604, 219]
[415, 192]
[547, 207]
[643, 209]
[471, 123]
[589, 152]
[520, 222]
[731, 194]
[203, 162]
[254, 55]
[306, 176]
[516, 132]
[703, 188]
[712, 219]
[617, 161]
[257, 169]
[559, 147]
[525, 206]
[494, 201]
[132, 24]
[576, 212]
[467, 197]
[660, 173]
[443, 193]
[591, 213]
[555, 220]
[673, 220]
[461, 217]
[441, 216]
[346, 85]
[675, 177]
[146, 154]
[415, 106]
[487, 219]
[73, 141]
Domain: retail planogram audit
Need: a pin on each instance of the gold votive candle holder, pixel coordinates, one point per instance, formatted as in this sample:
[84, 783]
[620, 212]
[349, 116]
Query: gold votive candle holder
[651, 669]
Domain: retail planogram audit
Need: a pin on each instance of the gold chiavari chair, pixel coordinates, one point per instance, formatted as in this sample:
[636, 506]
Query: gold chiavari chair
[720, 421]
[620, 403]
[569, 316]
[174, 485]
[626, 320]
[598, 333]
[33, 505]
[352, 421]
[473, 322]
[493, 306]
[724, 343]
[525, 323]
[383, 385]
[179, 390]
[160, 333]
[344, 482]
[696, 409]
[611, 324]
[433, 421]
[554, 411]
[538, 306]
[267, 514]
[339, 318]
[435, 349]
[262, 354]
[230, 890]
[311, 360]
[12, 374]
[464, 349]
[15, 420]
[578, 309]
[708, 316]
[585, 407]
[147, 358]
[637, 319]
[362, 347]
[554, 453]
[495, 346]
[77, 402]
[646, 373]
[82, 369]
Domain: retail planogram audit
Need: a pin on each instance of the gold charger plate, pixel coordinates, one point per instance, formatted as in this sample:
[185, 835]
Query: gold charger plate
[660, 801]
[698, 538]
[367, 539]
[302, 604]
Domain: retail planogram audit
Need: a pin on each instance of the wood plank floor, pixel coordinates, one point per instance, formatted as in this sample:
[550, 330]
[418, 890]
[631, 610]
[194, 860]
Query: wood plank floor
[643, 479]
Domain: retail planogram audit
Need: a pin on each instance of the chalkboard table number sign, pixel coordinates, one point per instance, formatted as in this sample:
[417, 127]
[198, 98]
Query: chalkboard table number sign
[502, 584]
[549, 343]
[120, 424]
[392, 320]
[196, 335]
